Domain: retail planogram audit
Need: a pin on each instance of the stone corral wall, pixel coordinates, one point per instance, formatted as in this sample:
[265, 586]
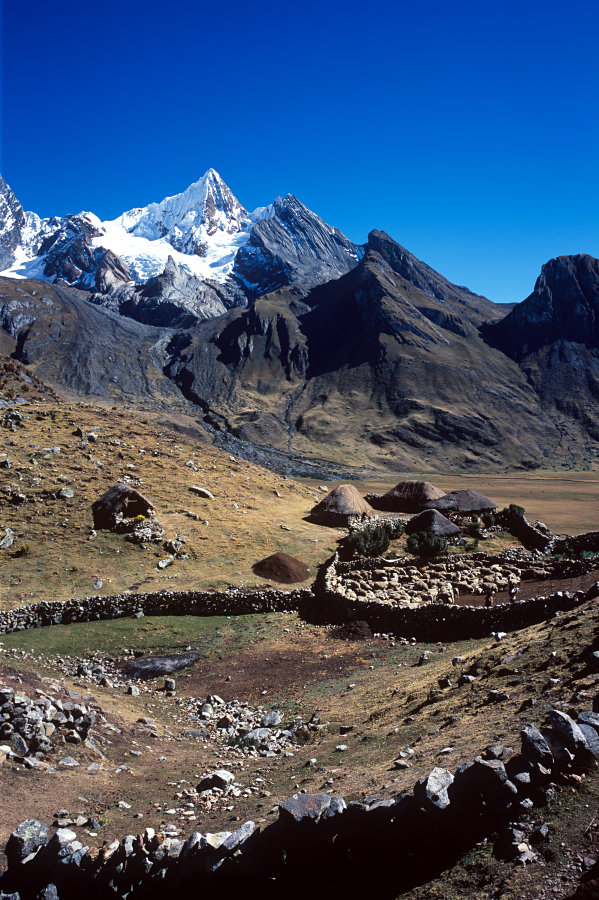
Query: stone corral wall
[579, 543]
[320, 845]
[165, 603]
[432, 621]
[530, 536]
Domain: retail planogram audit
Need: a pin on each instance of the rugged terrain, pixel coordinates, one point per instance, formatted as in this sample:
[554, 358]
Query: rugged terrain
[317, 357]
[288, 343]
[553, 335]
[370, 693]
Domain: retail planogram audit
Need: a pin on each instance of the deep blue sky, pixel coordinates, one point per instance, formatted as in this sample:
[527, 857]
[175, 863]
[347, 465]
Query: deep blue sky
[467, 130]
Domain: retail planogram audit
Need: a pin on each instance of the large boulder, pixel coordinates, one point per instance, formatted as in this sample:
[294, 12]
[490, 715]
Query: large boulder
[483, 781]
[535, 747]
[431, 792]
[302, 808]
[25, 841]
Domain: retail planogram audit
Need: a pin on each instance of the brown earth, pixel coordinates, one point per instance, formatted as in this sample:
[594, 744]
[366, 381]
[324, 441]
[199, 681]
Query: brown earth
[282, 568]
[373, 685]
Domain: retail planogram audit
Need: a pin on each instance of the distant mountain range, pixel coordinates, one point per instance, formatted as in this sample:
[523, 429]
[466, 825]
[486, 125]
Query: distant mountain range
[278, 333]
[191, 256]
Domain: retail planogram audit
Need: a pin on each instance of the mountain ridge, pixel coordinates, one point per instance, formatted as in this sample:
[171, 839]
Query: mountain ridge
[309, 344]
[226, 255]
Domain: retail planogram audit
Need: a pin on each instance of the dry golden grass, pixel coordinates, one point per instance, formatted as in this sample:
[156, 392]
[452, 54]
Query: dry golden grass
[255, 512]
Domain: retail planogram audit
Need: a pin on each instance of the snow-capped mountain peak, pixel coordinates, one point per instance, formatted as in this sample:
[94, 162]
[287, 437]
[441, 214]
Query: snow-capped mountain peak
[188, 219]
[225, 255]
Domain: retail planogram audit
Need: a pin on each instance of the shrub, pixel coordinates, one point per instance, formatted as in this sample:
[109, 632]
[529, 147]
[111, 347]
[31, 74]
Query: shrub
[488, 518]
[367, 541]
[474, 527]
[513, 511]
[426, 545]
[372, 540]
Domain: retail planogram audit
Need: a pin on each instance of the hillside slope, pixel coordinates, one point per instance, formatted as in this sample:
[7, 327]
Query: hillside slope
[369, 366]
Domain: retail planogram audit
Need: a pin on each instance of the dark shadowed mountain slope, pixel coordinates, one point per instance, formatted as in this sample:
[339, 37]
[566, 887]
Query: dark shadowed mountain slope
[84, 350]
[360, 368]
[293, 246]
[563, 306]
[367, 369]
[554, 337]
[433, 285]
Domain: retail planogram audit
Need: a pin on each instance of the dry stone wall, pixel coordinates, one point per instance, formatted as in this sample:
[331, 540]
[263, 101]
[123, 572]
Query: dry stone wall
[579, 543]
[321, 845]
[432, 621]
[165, 603]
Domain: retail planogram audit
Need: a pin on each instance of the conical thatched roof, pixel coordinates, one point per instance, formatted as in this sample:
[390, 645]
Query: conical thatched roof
[466, 501]
[341, 504]
[120, 501]
[433, 521]
[409, 496]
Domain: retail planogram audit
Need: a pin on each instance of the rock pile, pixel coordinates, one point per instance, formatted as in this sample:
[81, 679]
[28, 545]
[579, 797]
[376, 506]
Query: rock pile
[27, 726]
[254, 730]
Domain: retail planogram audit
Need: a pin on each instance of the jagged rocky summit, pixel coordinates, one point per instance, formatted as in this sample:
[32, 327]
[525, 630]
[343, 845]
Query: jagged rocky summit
[553, 335]
[188, 257]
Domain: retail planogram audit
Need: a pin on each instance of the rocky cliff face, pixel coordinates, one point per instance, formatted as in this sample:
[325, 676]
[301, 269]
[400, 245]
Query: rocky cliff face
[71, 256]
[292, 245]
[564, 306]
[451, 298]
[554, 337]
[188, 257]
[173, 299]
[12, 222]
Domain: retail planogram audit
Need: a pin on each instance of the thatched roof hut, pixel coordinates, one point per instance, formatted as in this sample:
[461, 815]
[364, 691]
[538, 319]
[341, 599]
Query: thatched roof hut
[340, 505]
[433, 521]
[120, 502]
[408, 496]
[465, 502]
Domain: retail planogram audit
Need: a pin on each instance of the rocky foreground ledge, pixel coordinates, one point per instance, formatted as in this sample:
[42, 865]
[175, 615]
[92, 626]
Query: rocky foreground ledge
[322, 845]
